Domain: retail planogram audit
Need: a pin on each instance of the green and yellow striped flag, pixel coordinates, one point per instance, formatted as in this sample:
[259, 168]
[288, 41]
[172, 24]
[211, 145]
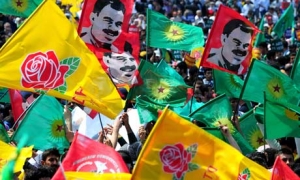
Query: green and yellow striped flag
[22, 8]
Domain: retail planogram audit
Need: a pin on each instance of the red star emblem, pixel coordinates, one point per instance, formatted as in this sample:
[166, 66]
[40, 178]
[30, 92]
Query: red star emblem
[59, 128]
[276, 88]
[19, 3]
[260, 140]
[161, 90]
[174, 32]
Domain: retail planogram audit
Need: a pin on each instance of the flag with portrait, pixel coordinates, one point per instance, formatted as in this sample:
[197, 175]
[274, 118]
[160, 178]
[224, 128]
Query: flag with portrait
[229, 44]
[103, 23]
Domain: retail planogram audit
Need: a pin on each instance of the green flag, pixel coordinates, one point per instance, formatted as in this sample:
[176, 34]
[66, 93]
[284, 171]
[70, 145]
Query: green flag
[295, 73]
[4, 95]
[259, 114]
[250, 130]
[44, 124]
[286, 21]
[260, 37]
[164, 33]
[264, 78]
[216, 132]
[281, 120]
[22, 8]
[161, 83]
[227, 83]
[191, 106]
[218, 111]
[3, 134]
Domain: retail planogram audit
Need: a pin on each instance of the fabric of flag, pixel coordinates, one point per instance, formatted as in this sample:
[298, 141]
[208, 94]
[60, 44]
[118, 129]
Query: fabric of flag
[264, 78]
[63, 67]
[99, 159]
[197, 54]
[191, 153]
[286, 21]
[161, 83]
[71, 175]
[295, 73]
[215, 132]
[281, 171]
[103, 23]
[164, 33]
[6, 154]
[16, 100]
[227, 83]
[3, 134]
[46, 114]
[191, 106]
[4, 95]
[219, 110]
[250, 130]
[22, 8]
[260, 37]
[229, 43]
[281, 120]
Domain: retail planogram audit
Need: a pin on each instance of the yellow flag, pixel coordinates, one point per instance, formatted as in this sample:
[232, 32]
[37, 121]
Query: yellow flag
[47, 54]
[70, 175]
[178, 149]
[197, 54]
[7, 153]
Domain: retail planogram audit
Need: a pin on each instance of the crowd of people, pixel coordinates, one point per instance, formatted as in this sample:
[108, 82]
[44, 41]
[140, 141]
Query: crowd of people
[199, 13]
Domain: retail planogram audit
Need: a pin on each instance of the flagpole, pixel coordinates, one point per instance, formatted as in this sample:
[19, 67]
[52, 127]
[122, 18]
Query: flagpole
[147, 34]
[101, 124]
[4, 94]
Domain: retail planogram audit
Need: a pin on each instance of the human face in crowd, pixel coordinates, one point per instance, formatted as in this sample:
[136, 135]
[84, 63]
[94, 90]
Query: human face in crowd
[235, 46]
[208, 75]
[51, 161]
[287, 158]
[121, 66]
[107, 25]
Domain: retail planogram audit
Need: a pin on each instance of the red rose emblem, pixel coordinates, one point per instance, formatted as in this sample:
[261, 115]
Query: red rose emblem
[243, 177]
[42, 70]
[175, 159]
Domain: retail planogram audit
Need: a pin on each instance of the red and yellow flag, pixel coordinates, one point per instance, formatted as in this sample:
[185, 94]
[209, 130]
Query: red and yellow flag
[46, 55]
[178, 149]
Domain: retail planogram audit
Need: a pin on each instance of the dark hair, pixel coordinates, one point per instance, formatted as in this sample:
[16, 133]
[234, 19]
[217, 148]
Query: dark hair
[127, 159]
[50, 152]
[128, 47]
[182, 66]
[296, 168]
[236, 23]
[263, 45]
[271, 156]
[285, 44]
[42, 172]
[271, 54]
[284, 151]
[194, 70]
[258, 157]
[115, 4]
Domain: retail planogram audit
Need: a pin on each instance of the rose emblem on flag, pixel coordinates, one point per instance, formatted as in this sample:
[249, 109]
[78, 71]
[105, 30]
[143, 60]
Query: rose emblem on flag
[244, 175]
[177, 160]
[44, 71]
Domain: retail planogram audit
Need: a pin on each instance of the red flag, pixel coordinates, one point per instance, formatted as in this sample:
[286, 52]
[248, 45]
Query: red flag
[281, 171]
[90, 112]
[17, 105]
[87, 155]
[103, 23]
[229, 43]
[190, 93]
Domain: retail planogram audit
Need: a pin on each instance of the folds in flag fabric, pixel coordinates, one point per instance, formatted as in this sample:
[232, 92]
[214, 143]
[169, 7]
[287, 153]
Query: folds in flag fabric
[286, 21]
[191, 153]
[281, 171]
[63, 67]
[17, 106]
[250, 130]
[264, 78]
[260, 37]
[229, 43]
[71, 175]
[227, 83]
[161, 83]
[295, 73]
[103, 23]
[98, 159]
[164, 33]
[44, 124]
[6, 154]
[21, 8]
[3, 134]
[4, 95]
[281, 120]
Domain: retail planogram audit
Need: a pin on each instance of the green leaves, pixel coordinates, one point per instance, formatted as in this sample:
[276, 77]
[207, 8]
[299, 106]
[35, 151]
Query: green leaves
[193, 167]
[62, 89]
[192, 149]
[73, 63]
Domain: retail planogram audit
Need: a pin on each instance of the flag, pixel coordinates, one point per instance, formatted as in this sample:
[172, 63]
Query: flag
[164, 33]
[6, 152]
[22, 8]
[264, 78]
[227, 83]
[63, 67]
[3, 134]
[45, 114]
[281, 120]
[295, 73]
[229, 43]
[98, 159]
[191, 106]
[250, 130]
[286, 21]
[281, 171]
[103, 24]
[191, 153]
[197, 54]
[215, 132]
[4, 96]
[71, 175]
[260, 37]
[16, 103]
[161, 83]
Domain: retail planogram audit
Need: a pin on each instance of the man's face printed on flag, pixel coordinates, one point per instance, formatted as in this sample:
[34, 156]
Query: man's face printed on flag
[235, 46]
[121, 66]
[107, 24]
